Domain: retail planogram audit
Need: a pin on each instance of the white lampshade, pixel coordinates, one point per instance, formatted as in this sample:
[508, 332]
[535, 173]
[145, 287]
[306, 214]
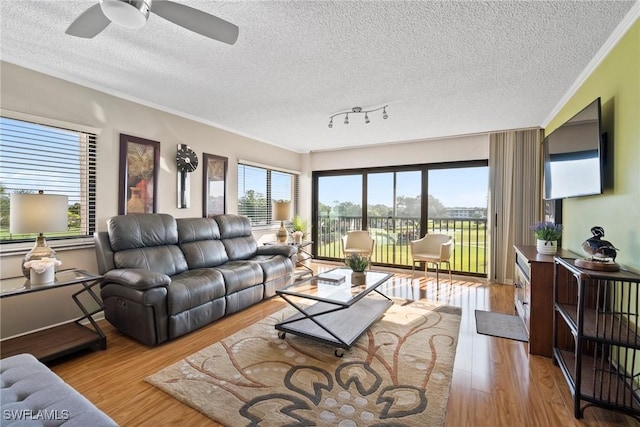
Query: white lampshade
[38, 213]
[281, 210]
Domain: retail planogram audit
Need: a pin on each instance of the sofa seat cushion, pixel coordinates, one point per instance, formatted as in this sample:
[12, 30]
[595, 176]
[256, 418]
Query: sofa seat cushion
[239, 275]
[193, 288]
[39, 397]
[273, 266]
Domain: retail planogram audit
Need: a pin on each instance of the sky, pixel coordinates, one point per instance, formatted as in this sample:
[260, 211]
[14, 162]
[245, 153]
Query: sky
[460, 187]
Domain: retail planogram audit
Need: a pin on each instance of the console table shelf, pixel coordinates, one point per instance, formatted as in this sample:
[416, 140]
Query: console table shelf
[601, 311]
[61, 340]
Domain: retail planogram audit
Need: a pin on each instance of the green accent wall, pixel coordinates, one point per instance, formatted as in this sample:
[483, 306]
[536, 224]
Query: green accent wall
[617, 82]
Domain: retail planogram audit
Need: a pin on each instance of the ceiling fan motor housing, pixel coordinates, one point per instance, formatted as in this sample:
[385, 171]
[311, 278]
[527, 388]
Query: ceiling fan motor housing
[128, 13]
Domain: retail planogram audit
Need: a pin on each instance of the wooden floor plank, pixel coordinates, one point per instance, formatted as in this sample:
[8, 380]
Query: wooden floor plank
[495, 381]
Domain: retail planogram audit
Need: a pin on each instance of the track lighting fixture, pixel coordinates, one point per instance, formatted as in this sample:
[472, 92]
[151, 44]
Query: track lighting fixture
[359, 110]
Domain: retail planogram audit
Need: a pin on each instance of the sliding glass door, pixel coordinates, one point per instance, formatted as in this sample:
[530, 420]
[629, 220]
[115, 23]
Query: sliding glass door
[402, 204]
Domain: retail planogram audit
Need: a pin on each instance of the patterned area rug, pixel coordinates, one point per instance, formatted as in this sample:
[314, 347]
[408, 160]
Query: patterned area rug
[397, 373]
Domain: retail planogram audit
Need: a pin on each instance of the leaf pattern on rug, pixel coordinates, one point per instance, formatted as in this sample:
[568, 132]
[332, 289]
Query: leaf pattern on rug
[398, 373]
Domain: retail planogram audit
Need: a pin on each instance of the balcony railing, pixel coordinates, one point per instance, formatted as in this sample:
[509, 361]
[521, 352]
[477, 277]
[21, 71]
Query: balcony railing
[393, 236]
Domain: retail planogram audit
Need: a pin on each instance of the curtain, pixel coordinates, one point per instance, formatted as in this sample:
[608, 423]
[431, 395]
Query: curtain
[515, 165]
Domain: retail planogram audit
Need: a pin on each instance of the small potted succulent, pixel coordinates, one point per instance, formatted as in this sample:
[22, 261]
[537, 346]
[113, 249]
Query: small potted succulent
[547, 235]
[358, 264]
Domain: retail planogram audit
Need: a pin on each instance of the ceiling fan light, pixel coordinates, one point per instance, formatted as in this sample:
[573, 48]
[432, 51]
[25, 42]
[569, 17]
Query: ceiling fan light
[128, 13]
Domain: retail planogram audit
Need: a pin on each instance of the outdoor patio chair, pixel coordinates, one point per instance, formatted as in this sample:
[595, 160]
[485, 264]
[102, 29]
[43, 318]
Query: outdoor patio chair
[432, 249]
[358, 241]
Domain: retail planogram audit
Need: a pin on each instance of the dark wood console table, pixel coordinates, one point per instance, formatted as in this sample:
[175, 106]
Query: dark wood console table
[61, 340]
[533, 297]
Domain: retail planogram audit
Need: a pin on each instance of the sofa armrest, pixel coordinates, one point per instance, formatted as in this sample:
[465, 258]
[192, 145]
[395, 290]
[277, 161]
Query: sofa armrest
[137, 278]
[284, 250]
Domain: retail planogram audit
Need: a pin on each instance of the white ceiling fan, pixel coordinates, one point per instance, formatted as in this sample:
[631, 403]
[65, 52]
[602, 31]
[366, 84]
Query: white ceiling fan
[134, 14]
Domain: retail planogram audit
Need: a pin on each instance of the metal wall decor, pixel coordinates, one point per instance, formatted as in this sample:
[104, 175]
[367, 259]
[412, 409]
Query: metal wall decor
[186, 163]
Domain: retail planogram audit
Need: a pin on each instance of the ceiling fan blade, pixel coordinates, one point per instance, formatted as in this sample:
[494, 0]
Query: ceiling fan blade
[196, 20]
[89, 24]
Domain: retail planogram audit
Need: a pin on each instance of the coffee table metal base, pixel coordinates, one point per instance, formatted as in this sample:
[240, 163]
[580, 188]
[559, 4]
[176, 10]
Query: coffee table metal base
[334, 324]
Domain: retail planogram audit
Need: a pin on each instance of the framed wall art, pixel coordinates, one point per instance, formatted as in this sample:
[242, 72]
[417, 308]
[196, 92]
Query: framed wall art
[139, 160]
[214, 185]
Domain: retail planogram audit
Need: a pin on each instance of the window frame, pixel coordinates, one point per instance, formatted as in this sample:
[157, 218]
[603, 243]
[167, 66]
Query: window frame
[10, 247]
[295, 191]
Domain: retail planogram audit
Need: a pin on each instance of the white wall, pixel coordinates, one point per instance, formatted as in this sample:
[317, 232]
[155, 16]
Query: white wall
[473, 147]
[30, 92]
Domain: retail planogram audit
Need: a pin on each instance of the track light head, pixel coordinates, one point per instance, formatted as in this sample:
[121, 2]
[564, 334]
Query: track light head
[331, 123]
[346, 119]
[384, 113]
[366, 118]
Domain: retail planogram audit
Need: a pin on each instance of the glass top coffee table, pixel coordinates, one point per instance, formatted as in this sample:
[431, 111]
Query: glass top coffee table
[341, 312]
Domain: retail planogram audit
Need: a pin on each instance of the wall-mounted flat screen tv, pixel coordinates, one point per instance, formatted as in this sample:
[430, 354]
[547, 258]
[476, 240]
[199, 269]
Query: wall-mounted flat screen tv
[573, 156]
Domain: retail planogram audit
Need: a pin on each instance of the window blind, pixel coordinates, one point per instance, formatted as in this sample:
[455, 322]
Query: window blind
[61, 161]
[258, 187]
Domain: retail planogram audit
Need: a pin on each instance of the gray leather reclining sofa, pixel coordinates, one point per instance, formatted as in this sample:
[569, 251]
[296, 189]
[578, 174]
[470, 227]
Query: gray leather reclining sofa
[165, 277]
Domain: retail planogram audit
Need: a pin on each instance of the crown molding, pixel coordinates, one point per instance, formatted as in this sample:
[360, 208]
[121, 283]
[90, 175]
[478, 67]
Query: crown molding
[607, 47]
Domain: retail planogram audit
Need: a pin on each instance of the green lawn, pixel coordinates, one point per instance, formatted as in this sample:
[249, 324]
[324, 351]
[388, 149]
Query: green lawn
[466, 258]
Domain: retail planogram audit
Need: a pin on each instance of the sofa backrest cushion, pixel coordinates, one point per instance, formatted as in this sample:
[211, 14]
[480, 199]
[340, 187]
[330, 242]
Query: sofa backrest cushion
[199, 239]
[146, 241]
[235, 231]
[141, 231]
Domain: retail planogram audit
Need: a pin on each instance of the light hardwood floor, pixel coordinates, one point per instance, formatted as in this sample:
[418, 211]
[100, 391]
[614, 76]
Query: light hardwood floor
[495, 381]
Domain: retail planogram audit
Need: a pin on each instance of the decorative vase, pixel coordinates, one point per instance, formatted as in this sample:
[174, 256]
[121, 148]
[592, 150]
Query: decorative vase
[358, 278]
[547, 247]
[297, 236]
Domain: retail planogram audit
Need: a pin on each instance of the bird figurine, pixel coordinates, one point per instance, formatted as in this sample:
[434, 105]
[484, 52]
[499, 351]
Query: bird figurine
[597, 248]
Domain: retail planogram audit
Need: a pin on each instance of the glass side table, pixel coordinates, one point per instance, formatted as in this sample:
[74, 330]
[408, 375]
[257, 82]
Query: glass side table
[304, 254]
[57, 341]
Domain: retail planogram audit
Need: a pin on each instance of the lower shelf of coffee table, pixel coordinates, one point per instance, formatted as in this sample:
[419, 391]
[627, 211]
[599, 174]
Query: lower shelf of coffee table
[348, 323]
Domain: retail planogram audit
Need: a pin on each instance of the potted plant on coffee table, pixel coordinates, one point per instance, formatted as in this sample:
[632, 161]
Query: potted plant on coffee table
[358, 264]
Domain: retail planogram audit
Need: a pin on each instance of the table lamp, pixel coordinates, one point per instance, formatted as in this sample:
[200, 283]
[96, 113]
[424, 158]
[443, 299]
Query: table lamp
[38, 213]
[282, 212]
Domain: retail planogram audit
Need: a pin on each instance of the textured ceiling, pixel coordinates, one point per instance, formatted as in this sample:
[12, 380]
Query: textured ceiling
[444, 68]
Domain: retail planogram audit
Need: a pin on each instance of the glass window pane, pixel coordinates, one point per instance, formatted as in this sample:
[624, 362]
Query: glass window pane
[339, 210]
[458, 207]
[393, 214]
[258, 187]
[252, 194]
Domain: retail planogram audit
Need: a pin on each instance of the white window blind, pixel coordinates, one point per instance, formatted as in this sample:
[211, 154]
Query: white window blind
[258, 187]
[61, 161]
